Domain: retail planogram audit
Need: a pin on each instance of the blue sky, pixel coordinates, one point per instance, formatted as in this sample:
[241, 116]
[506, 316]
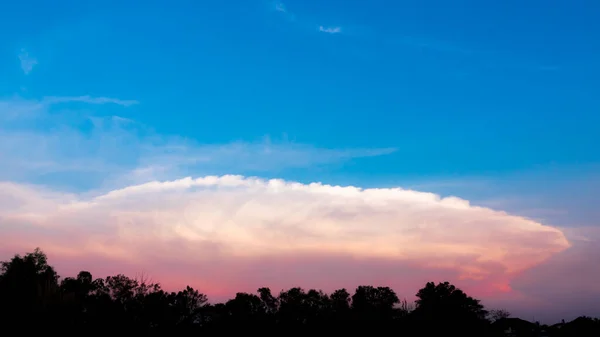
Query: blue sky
[459, 90]
[492, 101]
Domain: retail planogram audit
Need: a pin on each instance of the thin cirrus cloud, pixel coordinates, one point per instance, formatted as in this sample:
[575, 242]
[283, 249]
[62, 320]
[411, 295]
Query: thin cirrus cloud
[118, 147]
[283, 10]
[27, 61]
[89, 99]
[16, 108]
[486, 58]
[330, 30]
[280, 7]
[216, 231]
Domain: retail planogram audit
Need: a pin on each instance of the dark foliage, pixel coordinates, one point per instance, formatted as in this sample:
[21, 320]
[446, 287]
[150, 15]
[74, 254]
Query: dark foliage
[34, 300]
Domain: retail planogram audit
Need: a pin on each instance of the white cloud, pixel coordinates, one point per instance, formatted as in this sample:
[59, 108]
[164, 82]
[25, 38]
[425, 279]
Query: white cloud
[235, 218]
[27, 61]
[330, 30]
[228, 226]
[136, 194]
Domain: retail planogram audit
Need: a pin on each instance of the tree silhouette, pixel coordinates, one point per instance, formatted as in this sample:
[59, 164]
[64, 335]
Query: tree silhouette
[271, 303]
[246, 313]
[188, 304]
[375, 302]
[28, 288]
[33, 301]
[445, 307]
[374, 306]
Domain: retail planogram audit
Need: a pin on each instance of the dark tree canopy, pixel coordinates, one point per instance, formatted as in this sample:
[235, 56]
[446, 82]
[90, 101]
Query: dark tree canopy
[443, 297]
[33, 299]
[444, 303]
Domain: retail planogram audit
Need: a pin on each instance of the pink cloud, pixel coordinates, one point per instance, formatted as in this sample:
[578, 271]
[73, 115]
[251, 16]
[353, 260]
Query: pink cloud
[231, 233]
[566, 285]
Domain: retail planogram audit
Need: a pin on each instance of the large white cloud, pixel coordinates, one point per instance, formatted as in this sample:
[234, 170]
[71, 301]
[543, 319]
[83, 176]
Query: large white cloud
[220, 218]
[234, 233]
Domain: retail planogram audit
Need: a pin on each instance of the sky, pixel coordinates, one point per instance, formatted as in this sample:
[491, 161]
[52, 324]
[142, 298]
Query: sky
[231, 145]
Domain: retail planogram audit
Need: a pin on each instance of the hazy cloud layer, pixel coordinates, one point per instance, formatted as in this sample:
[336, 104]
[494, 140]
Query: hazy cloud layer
[88, 99]
[47, 136]
[27, 61]
[229, 232]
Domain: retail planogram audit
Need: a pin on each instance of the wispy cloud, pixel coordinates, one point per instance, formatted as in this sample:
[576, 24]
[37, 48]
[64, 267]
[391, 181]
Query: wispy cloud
[112, 146]
[18, 108]
[330, 30]
[89, 100]
[283, 11]
[280, 7]
[27, 61]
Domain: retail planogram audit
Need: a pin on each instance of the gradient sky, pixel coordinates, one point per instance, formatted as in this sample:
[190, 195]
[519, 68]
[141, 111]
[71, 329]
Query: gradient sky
[238, 144]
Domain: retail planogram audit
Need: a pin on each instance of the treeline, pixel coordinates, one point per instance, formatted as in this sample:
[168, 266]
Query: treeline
[33, 299]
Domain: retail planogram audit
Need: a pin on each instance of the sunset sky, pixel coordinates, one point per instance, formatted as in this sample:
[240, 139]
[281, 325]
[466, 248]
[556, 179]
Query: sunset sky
[231, 145]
